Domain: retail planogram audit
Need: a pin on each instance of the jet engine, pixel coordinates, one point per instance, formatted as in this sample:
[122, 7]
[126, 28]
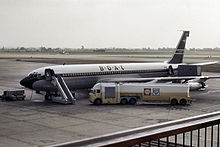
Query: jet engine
[196, 85]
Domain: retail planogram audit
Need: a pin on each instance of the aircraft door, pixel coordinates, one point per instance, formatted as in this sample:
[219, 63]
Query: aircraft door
[48, 74]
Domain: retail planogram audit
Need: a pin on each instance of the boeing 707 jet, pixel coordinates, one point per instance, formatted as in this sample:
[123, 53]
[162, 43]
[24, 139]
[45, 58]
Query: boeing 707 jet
[85, 76]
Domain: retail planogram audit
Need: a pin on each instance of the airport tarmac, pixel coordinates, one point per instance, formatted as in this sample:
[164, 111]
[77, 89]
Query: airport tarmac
[34, 122]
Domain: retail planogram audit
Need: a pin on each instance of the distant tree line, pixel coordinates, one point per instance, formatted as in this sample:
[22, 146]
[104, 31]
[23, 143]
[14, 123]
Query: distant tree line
[101, 50]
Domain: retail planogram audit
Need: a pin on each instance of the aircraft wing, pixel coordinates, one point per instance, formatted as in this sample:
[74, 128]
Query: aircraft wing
[204, 78]
[160, 79]
[205, 63]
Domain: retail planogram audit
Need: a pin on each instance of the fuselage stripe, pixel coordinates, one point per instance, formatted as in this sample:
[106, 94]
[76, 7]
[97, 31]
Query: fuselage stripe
[108, 73]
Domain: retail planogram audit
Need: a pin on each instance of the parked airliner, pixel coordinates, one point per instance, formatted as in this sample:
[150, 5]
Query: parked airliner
[85, 76]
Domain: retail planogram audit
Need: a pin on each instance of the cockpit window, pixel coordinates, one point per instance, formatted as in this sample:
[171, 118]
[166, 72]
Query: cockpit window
[34, 75]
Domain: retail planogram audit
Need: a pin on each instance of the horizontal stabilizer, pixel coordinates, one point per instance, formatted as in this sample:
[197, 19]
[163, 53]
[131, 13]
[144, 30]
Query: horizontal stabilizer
[205, 63]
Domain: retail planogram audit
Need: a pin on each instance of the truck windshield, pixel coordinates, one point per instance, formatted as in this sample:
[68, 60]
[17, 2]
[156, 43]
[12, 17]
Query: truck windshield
[94, 91]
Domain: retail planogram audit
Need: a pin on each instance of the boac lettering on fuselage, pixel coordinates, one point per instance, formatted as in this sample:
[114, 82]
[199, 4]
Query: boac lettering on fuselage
[111, 68]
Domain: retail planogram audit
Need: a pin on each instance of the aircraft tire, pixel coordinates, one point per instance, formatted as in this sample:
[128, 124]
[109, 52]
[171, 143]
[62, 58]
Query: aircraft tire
[203, 85]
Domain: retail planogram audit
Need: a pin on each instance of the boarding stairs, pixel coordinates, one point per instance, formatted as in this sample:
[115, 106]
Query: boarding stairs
[65, 95]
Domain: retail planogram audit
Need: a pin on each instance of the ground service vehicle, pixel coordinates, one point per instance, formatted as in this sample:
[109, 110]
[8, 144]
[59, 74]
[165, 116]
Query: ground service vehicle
[12, 95]
[124, 93]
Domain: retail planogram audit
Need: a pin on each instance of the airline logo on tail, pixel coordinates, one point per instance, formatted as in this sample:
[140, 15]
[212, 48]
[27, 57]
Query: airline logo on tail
[178, 56]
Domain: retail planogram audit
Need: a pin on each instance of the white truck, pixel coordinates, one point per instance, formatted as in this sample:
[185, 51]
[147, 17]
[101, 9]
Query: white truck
[130, 93]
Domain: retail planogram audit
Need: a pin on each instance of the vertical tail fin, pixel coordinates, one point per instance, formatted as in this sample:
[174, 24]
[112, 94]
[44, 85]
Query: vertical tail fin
[178, 55]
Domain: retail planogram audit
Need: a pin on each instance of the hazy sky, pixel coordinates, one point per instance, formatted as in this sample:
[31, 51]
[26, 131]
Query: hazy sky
[109, 23]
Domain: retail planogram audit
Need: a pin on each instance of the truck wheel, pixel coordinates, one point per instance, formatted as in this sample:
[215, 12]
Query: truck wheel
[174, 102]
[132, 101]
[98, 101]
[123, 101]
[183, 102]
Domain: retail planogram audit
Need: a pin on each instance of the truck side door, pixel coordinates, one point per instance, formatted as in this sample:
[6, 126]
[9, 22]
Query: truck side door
[110, 95]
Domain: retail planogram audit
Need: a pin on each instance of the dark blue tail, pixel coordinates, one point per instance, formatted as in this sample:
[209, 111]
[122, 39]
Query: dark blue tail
[178, 56]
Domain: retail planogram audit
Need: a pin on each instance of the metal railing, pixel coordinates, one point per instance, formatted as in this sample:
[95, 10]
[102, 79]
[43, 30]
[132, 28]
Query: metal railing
[202, 130]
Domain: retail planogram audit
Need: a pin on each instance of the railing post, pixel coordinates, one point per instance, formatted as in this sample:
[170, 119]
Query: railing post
[218, 137]
[198, 137]
[175, 140]
[167, 141]
[191, 133]
[205, 136]
[183, 139]
[212, 136]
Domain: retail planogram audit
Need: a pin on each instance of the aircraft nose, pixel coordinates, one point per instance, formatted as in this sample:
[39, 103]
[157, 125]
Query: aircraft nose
[28, 81]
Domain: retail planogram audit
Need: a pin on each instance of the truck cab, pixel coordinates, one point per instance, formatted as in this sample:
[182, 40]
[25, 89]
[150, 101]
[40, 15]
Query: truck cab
[95, 94]
[109, 93]
[104, 93]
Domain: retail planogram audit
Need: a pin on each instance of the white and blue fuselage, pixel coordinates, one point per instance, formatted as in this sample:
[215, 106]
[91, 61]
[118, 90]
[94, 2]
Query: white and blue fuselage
[85, 76]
